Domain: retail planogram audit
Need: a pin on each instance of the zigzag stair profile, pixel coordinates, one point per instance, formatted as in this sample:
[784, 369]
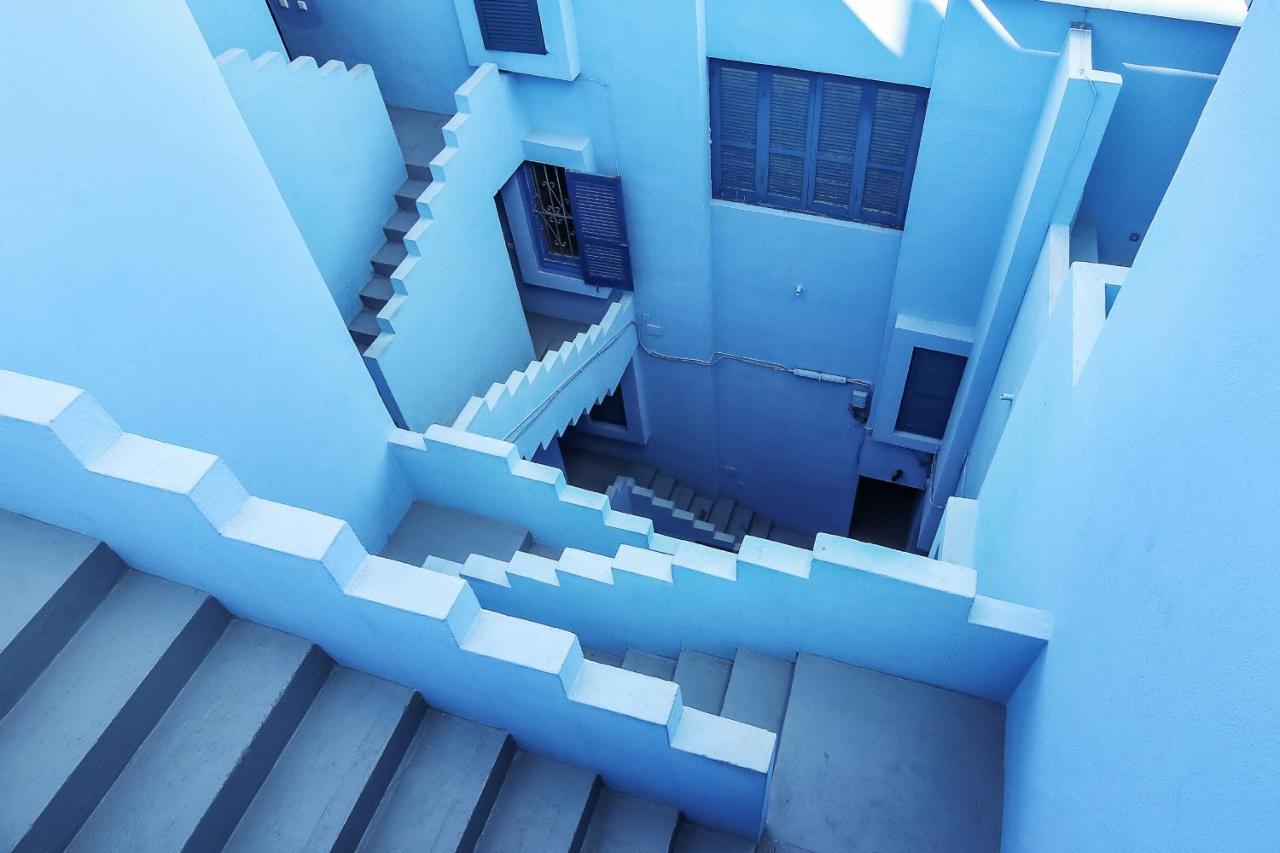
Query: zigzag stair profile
[537, 404]
[197, 683]
[143, 716]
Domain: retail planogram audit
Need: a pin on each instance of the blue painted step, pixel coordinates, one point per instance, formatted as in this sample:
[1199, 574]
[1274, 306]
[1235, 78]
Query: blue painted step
[388, 258]
[328, 782]
[544, 806]
[691, 838]
[626, 824]
[194, 775]
[647, 664]
[452, 534]
[72, 733]
[52, 580]
[399, 224]
[703, 680]
[759, 687]
[407, 194]
[444, 789]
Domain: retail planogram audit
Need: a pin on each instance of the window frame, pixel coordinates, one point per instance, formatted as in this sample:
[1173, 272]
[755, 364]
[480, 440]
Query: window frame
[760, 195]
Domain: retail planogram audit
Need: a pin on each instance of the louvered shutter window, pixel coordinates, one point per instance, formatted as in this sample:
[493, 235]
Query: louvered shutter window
[836, 146]
[511, 25]
[601, 226]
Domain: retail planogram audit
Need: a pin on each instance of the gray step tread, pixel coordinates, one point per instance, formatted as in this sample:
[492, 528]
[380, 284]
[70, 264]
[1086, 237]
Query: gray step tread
[639, 472]
[682, 496]
[52, 580]
[172, 790]
[625, 824]
[760, 527]
[649, 664]
[407, 194]
[692, 838]
[378, 288]
[662, 486]
[607, 658]
[366, 323]
[443, 789]
[327, 782]
[703, 680]
[721, 512]
[544, 806]
[431, 530]
[739, 522]
[551, 552]
[759, 686]
[701, 507]
[389, 256]
[400, 223]
[83, 698]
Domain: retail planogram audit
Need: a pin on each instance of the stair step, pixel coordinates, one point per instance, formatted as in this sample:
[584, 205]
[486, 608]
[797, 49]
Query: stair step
[721, 511]
[201, 765]
[647, 664]
[419, 171]
[52, 580]
[703, 680]
[739, 522]
[376, 293]
[72, 732]
[544, 805]
[325, 787]
[407, 194]
[692, 838]
[625, 824]
[444, 789]
[682, 496]
[701, 507]
[641, 473]
[760, 527]
[387, 258]
[399, 224]
[431, 530]
[599, 656]
[662, 486]
[549, 551]
[759, 687]
[366, 323]
[791, 537]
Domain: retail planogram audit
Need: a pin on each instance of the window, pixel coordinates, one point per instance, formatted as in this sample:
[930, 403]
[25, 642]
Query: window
[511, 25]
[551, 215]
[933, 379]
[578, 223]
[834, 146]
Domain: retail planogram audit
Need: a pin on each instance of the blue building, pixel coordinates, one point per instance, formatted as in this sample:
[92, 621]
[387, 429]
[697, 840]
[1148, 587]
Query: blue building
[604, 425]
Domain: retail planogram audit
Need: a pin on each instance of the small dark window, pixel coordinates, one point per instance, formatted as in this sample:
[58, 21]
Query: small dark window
[611, 410]
[932, 382]
[511, 25]
[551, 214]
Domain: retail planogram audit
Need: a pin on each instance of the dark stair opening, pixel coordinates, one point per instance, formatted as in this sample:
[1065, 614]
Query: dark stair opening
[884, 513]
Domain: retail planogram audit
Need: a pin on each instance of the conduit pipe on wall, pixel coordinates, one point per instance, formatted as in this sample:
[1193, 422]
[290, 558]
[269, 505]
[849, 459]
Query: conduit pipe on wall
[803, 373]
[1075, 116]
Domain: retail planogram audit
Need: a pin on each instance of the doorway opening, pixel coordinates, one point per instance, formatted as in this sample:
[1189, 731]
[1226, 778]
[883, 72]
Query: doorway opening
[884, 513]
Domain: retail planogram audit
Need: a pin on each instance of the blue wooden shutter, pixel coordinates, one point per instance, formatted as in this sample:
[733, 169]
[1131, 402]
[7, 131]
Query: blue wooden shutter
[735, 99]
[839, 117]
[788, 97]
[601, 228]
[512, 25]
[933, 378]
[891, 155]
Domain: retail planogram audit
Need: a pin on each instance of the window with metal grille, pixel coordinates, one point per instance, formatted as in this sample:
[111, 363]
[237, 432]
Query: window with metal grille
[511, 25]
[546, 192]
[820, 143]
[933, 378]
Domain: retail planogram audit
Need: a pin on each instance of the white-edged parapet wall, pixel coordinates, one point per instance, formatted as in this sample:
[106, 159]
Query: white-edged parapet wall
[454, 320]
[327, 140]
[182, 515]
[536, 405]
[618, 583]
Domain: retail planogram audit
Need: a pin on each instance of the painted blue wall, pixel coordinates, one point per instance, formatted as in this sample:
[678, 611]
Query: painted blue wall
[327, 139]
[149, 258]
[414, 46]
[1135, 509]
[227, 24]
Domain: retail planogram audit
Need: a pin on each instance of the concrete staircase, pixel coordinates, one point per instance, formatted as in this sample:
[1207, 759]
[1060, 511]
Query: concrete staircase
[420, 140]
[675, 508]
[139, 715]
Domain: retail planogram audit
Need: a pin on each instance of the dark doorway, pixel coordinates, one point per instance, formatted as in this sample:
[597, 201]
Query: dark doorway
[884, 513]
